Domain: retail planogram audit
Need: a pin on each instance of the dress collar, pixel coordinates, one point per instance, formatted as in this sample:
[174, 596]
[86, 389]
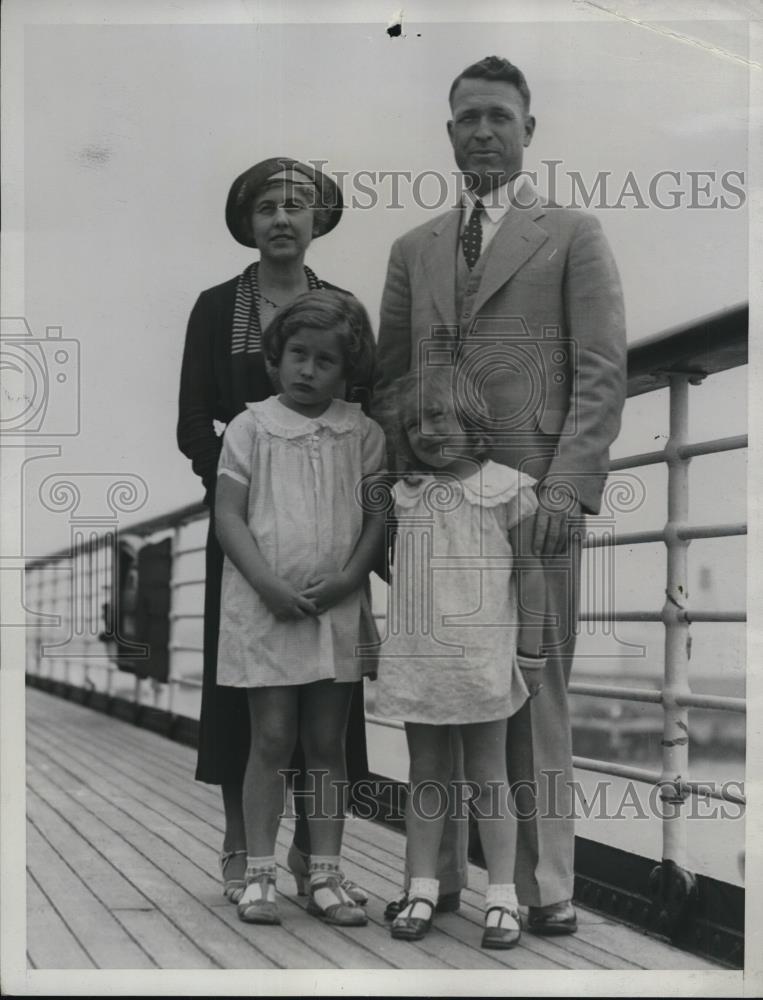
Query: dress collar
[339, 415]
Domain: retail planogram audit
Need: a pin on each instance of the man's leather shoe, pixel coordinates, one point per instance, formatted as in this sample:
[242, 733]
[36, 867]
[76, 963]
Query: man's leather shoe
[558, 918]
[448, 903]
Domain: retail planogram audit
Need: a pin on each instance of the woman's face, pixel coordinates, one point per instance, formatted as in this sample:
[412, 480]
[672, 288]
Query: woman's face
[282, 220]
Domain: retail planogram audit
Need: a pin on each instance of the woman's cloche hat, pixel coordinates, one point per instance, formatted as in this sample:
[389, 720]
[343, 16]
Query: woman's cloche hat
[328, 205]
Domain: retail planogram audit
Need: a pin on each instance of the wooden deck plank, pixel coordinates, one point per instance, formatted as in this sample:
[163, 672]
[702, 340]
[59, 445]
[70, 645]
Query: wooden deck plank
[389, 857]
[350, 951]
[195, 865]
[159, 939]
[581, 953]
[146, 797]
[205, 859]
[322, 947]
[168, 943]
[174, 825]
[155, 813]
[449, 940]
[201, 816]
[313, 947]
[186, 892]
[127, 800]
[108, 944]
[540, 953]
[168, 947]
[103, 880]
[388, 847]
[434, 951]
[50, 943]
[179, 904]
[359, 953]
[647, 951]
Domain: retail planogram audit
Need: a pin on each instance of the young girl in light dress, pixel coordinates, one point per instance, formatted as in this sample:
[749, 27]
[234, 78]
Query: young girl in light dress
[299, 548]
[463, 644]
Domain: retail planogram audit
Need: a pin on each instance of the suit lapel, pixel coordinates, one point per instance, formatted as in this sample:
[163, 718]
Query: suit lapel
[515, 242]
[439, 257]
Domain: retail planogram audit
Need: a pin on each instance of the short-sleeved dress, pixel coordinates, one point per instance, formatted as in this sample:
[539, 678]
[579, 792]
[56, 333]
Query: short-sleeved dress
[449, 655]
[304, 511]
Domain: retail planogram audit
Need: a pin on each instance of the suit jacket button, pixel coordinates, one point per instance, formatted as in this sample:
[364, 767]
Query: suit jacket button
[467, 315]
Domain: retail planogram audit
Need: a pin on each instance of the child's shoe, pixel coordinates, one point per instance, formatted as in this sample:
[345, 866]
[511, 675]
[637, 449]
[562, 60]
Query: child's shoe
[257, 904]
[328, 900]
[502, 925]
[415, 920]
[299, 865]
[506, 932]
[406, 926]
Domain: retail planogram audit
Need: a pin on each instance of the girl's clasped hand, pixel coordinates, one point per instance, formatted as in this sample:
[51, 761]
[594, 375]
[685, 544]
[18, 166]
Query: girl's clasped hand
[321, 593]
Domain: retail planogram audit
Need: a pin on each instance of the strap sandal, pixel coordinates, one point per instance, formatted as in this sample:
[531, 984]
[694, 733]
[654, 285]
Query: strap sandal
[254, 907]
[449, 902]
[343, 912]
[406, 927]
[298, 863]
[506, 933]
[233, 888]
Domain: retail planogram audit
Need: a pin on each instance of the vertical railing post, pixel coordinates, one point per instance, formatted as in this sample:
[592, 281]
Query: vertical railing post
[673, 887]
[172, 672]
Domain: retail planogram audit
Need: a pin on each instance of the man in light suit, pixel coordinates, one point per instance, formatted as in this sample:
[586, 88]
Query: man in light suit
[534, 290]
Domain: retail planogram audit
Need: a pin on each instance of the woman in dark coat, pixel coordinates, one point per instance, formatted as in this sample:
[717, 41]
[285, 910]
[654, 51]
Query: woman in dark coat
[278, 206]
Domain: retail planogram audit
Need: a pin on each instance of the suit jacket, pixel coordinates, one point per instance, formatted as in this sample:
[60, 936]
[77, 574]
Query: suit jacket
[550, 293]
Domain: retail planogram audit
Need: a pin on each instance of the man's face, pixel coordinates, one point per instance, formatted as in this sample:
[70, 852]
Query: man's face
[489, 131]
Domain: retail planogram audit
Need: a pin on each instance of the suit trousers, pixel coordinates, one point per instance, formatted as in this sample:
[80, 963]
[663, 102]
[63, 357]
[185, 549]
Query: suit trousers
[539, 761]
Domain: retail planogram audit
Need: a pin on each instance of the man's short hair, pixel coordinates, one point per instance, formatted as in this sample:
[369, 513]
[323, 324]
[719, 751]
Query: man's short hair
[494, 68]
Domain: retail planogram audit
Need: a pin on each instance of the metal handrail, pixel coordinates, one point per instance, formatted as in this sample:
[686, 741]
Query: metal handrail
[685, 531]
[714, 447]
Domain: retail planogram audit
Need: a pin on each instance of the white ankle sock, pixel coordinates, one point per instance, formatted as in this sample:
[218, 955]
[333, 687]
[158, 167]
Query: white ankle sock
[500, 894]
[322, 865]
[422, 888]
[257, 866]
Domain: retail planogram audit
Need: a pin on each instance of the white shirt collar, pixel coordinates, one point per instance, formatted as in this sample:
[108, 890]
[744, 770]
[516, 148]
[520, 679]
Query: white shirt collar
[497, 202]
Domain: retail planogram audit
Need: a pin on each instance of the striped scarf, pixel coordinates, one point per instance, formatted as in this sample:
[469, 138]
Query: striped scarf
[247, 332]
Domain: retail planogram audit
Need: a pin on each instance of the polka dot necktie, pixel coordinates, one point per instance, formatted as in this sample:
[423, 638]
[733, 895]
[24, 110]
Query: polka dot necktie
[472, 235]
